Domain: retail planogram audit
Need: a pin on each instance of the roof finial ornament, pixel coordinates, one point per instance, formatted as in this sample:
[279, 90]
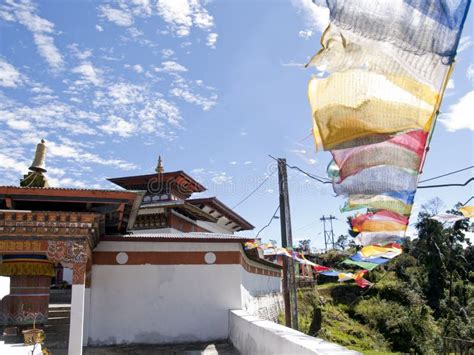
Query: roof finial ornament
[35, 177]
[159, 167]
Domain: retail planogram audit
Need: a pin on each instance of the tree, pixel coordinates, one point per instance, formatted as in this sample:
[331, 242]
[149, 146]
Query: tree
[342, 241]
[304, 245]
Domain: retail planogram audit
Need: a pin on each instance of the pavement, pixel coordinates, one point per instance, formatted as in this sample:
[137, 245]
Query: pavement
[216, 348]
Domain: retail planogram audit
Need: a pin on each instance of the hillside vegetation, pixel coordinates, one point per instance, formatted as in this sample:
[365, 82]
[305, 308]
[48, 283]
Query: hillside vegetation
[417, 299]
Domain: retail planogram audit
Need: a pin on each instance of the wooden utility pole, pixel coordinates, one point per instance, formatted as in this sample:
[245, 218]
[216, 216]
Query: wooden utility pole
[289, 281]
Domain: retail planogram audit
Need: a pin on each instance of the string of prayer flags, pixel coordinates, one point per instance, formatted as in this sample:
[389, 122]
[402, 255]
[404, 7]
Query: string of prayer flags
[362, 264]
[389, 251]
[467, 211]
[382, 238]
[388, 64]
[380, 220]
[399, 202]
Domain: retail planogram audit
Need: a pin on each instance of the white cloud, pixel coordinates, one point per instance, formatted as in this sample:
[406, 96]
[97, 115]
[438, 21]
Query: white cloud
[316, 17]
[460, 114]
[99, 28]
[125, 94]
[9, 76]
[88, 73]
[8, 163]
[48, 50]
[450, 84]
[117, 16]
[247, 162]
[464, 43]
[211, 40]
[470, 72]
[171, 66]
[81, 55]
[177, 13]
[181, 15]
[42, 30]
[119, 126]
[192, 98]
[306, 34]
[167, 53]
[221, 178]
[233, 163]
[138, 68]
[68, 150]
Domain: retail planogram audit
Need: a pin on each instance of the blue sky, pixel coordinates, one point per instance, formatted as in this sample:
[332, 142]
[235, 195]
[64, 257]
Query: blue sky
[214, 87]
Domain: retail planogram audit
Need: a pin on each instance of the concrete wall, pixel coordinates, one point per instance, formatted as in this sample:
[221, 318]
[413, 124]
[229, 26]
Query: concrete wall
[162, 303]
[170, 303]
[261, 295]
[4, 286]
[251, 335]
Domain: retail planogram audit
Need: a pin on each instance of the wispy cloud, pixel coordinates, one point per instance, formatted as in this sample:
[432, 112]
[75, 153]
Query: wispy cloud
[170, 66]
[117, 16]
[212, 40]
[89, 74]
[41, 29]
[459, 115]
[470, 72]
[316, 17]
[10, 77]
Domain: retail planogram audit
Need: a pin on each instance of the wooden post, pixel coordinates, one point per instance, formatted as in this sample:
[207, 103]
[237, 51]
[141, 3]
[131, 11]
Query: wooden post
[289, 285]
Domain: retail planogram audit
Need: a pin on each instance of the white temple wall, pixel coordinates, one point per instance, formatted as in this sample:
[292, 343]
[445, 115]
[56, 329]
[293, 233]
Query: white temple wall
[150, 300]
[162, 303]
[4, 286]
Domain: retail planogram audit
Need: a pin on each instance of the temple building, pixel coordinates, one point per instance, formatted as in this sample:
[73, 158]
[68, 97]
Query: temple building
[148, 263]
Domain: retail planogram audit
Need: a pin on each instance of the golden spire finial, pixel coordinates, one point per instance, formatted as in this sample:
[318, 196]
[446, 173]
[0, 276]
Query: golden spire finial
[35, 177]
[38, 164]
[159, 167]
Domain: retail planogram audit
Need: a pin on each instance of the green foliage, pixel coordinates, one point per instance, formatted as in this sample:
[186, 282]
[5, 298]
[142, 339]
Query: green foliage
[318, 316]
[408, 329]
[418, 298]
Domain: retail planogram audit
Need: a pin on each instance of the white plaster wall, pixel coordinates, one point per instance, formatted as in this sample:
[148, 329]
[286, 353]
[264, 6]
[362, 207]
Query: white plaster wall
[162, 303]
[251, 335]
[4, 286]
[261, 295]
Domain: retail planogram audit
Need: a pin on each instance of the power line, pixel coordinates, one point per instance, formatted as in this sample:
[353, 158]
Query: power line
[314, 177]
[255, 190]
[465, 203]
[269, 222]
[445, 185]
[451, 173]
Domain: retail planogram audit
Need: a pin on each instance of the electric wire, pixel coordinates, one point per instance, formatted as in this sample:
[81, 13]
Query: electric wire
[314, 177]
[269, 222]
[445, 185]
[447, 174]
[254, 191]
[465, 203]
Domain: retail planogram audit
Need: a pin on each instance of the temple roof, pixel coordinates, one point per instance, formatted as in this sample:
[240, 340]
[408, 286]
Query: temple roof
[218, 209]
[119, 207]
[185, 183]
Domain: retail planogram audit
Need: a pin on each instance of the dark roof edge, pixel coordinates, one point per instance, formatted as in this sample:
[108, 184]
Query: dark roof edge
[219, 204]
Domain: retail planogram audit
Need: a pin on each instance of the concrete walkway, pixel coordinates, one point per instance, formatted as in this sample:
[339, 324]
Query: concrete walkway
[184, 349]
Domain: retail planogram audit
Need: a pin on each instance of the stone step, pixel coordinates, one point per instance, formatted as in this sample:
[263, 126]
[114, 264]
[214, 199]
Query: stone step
[60, 307]
[58, 320]
[56, 328]
[59, 313]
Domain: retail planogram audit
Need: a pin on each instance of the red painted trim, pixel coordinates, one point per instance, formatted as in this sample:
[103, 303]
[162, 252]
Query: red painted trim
[180, 258]
[176, 239]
